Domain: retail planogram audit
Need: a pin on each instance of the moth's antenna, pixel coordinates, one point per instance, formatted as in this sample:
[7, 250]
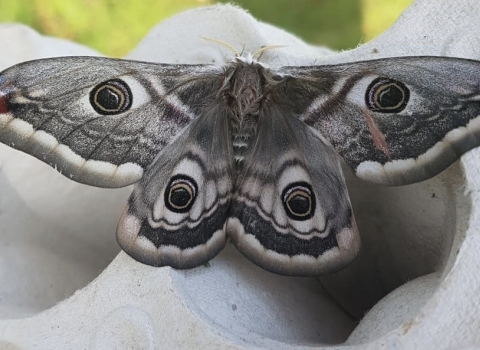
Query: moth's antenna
[257, 53]
[260, 51]
[222, 43]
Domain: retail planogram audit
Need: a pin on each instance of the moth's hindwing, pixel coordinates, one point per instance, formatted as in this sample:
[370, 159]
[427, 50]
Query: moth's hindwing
[291, 212]
[98, 121]
[177, 213]
[394, 121]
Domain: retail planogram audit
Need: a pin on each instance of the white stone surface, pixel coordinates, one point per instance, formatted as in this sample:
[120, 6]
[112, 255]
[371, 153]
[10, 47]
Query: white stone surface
[57, 236]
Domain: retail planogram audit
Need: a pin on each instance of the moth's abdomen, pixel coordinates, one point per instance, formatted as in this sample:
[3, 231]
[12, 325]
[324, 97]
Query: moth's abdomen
[242, 140]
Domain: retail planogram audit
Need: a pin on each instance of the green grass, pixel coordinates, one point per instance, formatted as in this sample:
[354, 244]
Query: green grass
[114, 27]
[380, 14]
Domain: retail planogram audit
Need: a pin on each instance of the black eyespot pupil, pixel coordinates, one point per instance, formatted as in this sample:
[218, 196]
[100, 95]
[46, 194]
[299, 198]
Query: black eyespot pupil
[299, 204]
[111, 97]
[390, 96]
[180, 193]
[387, 96]
[180, 197]
[108, 99]
[299, 201]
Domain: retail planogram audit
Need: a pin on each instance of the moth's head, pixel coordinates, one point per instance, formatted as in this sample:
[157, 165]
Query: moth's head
[245, 57]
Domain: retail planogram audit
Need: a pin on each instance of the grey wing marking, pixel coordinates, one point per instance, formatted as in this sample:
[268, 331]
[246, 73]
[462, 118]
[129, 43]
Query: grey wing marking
[413, 141]
[46, 110]
[176, 214]
[291, 212]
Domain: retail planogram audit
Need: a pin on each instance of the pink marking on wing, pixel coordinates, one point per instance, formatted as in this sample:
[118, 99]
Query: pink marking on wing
[377, 137]
[3, 104]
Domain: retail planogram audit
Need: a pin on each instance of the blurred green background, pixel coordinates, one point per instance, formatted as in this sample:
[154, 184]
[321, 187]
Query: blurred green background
[114, 27]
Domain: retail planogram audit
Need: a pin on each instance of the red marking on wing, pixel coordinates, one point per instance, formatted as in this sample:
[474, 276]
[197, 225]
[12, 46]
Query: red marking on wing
[3, 104]
[377, 137]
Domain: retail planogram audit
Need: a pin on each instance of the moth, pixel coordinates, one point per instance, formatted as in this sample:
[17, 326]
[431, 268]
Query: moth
[242, 151]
